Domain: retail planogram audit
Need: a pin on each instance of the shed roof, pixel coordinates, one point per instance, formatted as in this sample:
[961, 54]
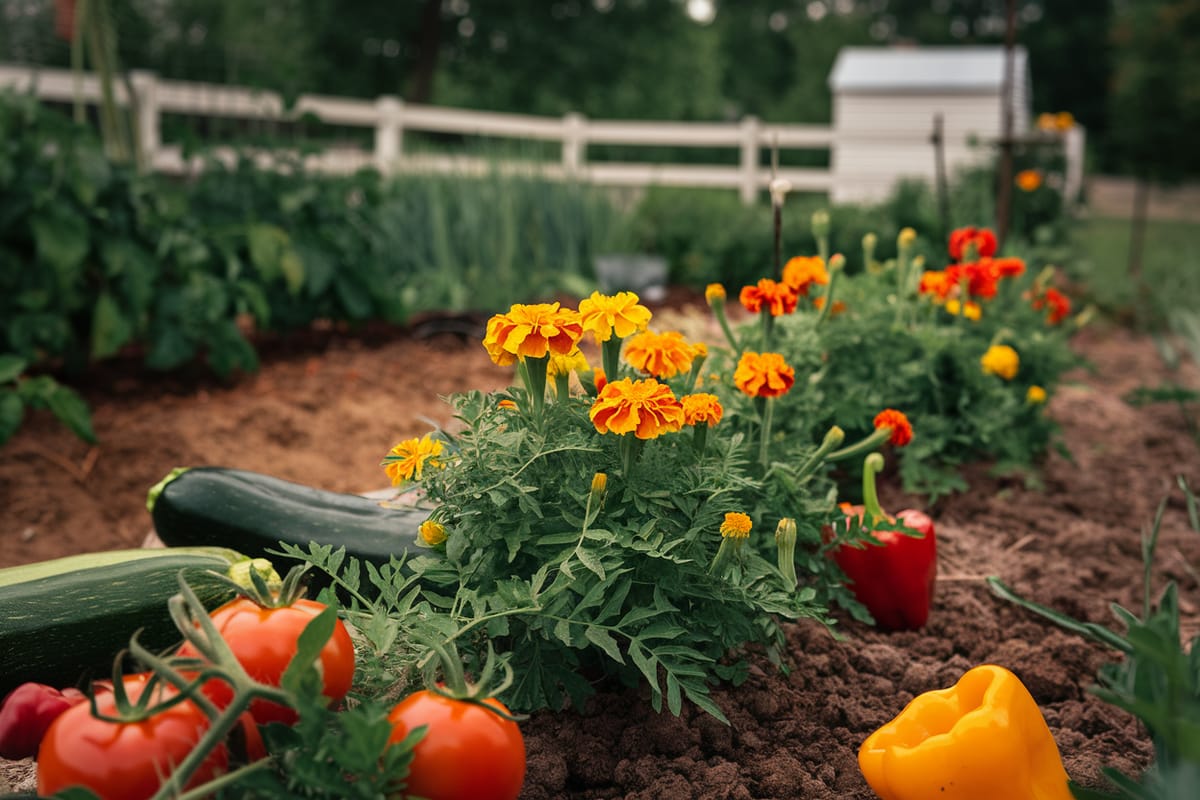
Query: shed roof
[924, 69]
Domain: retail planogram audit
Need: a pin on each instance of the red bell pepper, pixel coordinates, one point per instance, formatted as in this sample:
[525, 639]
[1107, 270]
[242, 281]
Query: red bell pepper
[894, 579]
[27, 712]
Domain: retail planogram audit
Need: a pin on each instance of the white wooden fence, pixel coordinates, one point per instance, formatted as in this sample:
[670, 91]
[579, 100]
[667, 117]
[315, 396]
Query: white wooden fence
[390, 118]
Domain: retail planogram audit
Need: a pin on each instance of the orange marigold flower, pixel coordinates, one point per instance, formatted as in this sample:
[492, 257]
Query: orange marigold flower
[405, 461]
[838, 306]
[763, 375]
[701, 408]
[1029, 180]
[606, 315]
[939, 283]
[532, 331]
[982, 238]
[600, 378]
[736, 525]
[801, 272]
[645, 408]
[506, 404]
[779, 298]
[663, 355]
[714, 292]
[896, 420]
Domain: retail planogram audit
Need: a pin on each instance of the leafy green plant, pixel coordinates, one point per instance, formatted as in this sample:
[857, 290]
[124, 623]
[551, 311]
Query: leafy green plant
[1158, 680]
[19, 392]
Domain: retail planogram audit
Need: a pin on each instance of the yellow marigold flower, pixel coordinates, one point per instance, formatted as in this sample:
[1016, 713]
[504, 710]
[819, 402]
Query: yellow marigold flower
[645, 408]
[801, 272]
[713, 292]
[599, 483]
[574, 361]
[701, 408]
[432, 532]
[532, 331]
[1035, 396]
[972, 310]
[663, 355]
[907, 237]
[765, 375]
[736, 525]
[405, 461]
[620, 314]
[1001, 360]
[700, 349]
[1029, 180]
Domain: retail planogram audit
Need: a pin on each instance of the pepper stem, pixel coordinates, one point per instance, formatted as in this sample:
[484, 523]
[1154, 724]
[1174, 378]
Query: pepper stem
[872, 465]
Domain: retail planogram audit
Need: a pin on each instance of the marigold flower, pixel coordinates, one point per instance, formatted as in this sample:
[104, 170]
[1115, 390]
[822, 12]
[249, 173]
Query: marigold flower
[1064, 120]
[1001, 360]
[600, 378]
[765, 375]
[1009, 267]
[1029, 180]
[663, 355]
[938, 283]
[714, 292]
[896, 420]
[574, 361]
[532, 331]
[701, 408]
[1036, 395]
[779, 298]
[982, 238]
[506, 404]
[838, 306]
[1057, 303]
[907, 237]
[599, 482]
[645, 408]
[736, 525]
[802, 272]
[432, 532]
[619, 314]
[406, 460]
[972, 310]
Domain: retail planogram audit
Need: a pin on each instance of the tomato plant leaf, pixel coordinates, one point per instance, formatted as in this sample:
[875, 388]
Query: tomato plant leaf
[11, 367]
[301, 676]
[110, 328]
[72, 410]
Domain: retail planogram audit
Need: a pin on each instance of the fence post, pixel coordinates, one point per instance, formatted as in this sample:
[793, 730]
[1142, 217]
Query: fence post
[147, 134]
[574, 143]
[750, 149]
[389, 132]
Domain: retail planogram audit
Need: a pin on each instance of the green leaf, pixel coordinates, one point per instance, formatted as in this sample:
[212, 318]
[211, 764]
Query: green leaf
[61, 239]
[293, 270]
[604, 640]
[308, 648]
[355, 299]
[12, 412]
[11, 367]
[110, 328]
[591, 561]
[72, 410]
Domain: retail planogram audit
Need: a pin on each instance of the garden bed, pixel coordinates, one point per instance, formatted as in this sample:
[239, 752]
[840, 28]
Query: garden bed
[323, 412]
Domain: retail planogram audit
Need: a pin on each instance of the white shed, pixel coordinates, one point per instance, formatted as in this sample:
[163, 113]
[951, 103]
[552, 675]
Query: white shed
[885, 101]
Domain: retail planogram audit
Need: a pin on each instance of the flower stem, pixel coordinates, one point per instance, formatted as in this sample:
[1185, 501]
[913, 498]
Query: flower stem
[535, 381]
[700, 438]
[863, 445]
[610, 358]
[872, 465]
[764, 447]
[833, 437]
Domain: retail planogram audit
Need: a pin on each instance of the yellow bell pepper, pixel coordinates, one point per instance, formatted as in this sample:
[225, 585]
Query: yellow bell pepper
[982, 739]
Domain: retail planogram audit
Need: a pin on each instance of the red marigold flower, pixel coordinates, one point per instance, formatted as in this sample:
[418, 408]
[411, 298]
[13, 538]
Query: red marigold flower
[532, 331]
[901, 428]
[663, 355]
[1059, 305]
[779, 298]
[982, 278]
[801, 272]
[645, 408]
[701, 408]
[765, 375]
[982, 238]
[1009, 267]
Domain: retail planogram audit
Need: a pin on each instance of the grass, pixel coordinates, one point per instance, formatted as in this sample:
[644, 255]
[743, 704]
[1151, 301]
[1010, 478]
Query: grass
[1170, 269]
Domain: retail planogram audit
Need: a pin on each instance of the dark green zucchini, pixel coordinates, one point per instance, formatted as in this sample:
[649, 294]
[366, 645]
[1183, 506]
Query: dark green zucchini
[63, 621]
[253, 513]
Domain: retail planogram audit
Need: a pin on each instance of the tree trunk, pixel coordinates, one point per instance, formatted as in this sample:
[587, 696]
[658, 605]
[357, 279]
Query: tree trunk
[427, 43]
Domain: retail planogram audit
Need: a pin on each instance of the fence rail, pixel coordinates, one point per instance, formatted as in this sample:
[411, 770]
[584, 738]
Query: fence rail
[390, 118]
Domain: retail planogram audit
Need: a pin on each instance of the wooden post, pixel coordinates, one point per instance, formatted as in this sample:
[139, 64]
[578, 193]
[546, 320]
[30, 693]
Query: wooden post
[147, 133]
[574, 144]
[389, 133]
[750, 149]
[1005, 179]
[938, 139]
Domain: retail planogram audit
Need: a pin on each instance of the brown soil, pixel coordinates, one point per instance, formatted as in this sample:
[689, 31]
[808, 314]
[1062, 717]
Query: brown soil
[325, 410]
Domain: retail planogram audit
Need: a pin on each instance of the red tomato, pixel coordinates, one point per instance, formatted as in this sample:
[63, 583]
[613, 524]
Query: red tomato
[264, 641]
[468, 752]
[123, 760]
